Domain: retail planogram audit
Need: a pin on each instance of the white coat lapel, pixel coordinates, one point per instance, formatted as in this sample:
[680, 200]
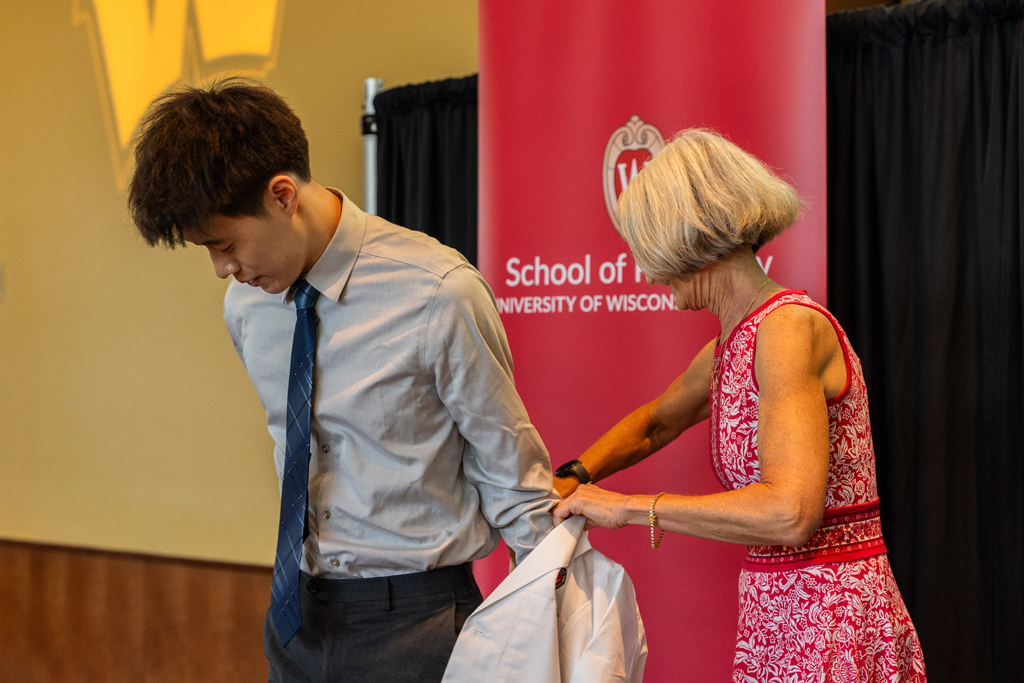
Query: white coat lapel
[555, 551]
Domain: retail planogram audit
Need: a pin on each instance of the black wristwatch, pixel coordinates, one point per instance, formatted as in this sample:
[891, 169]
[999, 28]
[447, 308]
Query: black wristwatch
[573, 468]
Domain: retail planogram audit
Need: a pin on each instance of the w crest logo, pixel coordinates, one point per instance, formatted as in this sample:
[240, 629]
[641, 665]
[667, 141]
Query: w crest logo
[141, 48]
[629, 148]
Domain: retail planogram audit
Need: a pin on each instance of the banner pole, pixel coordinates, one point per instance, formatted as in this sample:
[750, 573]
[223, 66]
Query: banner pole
[368, 124]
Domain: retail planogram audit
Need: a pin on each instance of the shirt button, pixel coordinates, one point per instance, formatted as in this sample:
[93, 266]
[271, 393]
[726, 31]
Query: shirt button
[325, 448]
[335, 562]
[327, 515]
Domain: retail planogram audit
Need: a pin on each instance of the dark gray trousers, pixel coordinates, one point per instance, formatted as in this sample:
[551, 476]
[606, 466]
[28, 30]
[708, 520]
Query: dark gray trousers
[397, 629]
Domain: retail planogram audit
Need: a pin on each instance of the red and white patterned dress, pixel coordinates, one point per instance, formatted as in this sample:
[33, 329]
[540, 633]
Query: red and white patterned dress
[830, 610]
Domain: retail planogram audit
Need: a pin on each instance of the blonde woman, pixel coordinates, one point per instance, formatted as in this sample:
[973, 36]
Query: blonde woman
[790, 433]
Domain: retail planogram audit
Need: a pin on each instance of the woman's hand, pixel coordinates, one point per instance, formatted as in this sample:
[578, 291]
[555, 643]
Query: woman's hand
[602, 508]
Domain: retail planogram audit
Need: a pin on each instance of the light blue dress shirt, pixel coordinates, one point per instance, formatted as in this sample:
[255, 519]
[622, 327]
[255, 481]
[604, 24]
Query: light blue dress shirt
[422, 451]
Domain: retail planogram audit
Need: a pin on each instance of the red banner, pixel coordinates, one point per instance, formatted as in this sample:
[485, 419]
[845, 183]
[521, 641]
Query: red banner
[574, 98]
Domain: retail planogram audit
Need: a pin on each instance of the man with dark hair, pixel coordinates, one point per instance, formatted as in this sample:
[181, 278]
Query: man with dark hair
[402, 446]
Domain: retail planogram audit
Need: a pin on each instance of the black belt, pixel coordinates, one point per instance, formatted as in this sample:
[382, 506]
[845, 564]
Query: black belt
[386, 588]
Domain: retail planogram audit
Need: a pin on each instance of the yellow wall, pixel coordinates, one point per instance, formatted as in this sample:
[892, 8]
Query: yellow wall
[126, 420]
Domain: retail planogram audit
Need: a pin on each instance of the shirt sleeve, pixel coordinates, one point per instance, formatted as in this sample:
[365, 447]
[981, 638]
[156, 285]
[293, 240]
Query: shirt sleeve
[504, 459]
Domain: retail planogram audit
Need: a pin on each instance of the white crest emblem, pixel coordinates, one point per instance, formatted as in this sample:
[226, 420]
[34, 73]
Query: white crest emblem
[629, 149]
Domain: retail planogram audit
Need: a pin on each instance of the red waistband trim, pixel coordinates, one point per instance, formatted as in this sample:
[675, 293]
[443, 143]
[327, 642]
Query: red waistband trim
[833, 513]
[846, 534]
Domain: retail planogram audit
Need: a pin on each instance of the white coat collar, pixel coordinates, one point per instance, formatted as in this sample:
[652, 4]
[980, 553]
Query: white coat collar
[565, 542]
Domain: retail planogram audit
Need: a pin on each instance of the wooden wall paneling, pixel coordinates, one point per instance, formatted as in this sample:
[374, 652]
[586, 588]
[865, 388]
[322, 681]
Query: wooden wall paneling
[98, 615]
[70, 616]
[80, 616]
[205, 623]
[15, 635]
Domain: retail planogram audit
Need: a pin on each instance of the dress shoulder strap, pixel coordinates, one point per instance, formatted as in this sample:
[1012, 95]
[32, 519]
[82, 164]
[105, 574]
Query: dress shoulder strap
[800, 298]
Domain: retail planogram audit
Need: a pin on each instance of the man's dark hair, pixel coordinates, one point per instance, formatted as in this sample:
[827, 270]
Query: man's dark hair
[204, 152]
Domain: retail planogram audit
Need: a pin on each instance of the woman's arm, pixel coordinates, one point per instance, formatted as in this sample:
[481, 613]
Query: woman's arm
[798, 363]
[651, 426]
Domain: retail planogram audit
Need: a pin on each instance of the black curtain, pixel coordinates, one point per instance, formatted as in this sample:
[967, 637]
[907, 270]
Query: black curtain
[427, 160]
[924, 272]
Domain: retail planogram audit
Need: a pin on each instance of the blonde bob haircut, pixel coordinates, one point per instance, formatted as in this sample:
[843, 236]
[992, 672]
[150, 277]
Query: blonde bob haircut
[698, 200]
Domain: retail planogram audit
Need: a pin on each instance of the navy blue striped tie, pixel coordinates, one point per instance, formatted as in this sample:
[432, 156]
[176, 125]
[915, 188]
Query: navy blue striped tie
[284, 594]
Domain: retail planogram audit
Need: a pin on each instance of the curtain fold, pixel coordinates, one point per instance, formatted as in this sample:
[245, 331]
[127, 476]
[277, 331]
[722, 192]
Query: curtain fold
[925, 274]
[427, 160]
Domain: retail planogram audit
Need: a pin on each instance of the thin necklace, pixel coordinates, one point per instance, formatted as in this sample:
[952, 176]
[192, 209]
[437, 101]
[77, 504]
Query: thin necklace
[749, 306]
[716, 366]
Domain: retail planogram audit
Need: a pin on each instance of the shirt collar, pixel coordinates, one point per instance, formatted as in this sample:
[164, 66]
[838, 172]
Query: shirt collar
[331, 271]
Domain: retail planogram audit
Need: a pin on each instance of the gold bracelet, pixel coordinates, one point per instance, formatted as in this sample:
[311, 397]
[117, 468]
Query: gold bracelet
[654, 520]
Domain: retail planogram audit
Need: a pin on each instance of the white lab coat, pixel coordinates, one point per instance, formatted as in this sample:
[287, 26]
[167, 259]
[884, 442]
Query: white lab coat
[585, 631]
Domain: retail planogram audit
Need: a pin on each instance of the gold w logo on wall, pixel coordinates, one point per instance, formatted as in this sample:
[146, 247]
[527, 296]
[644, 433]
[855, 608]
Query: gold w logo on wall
[142, 48]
